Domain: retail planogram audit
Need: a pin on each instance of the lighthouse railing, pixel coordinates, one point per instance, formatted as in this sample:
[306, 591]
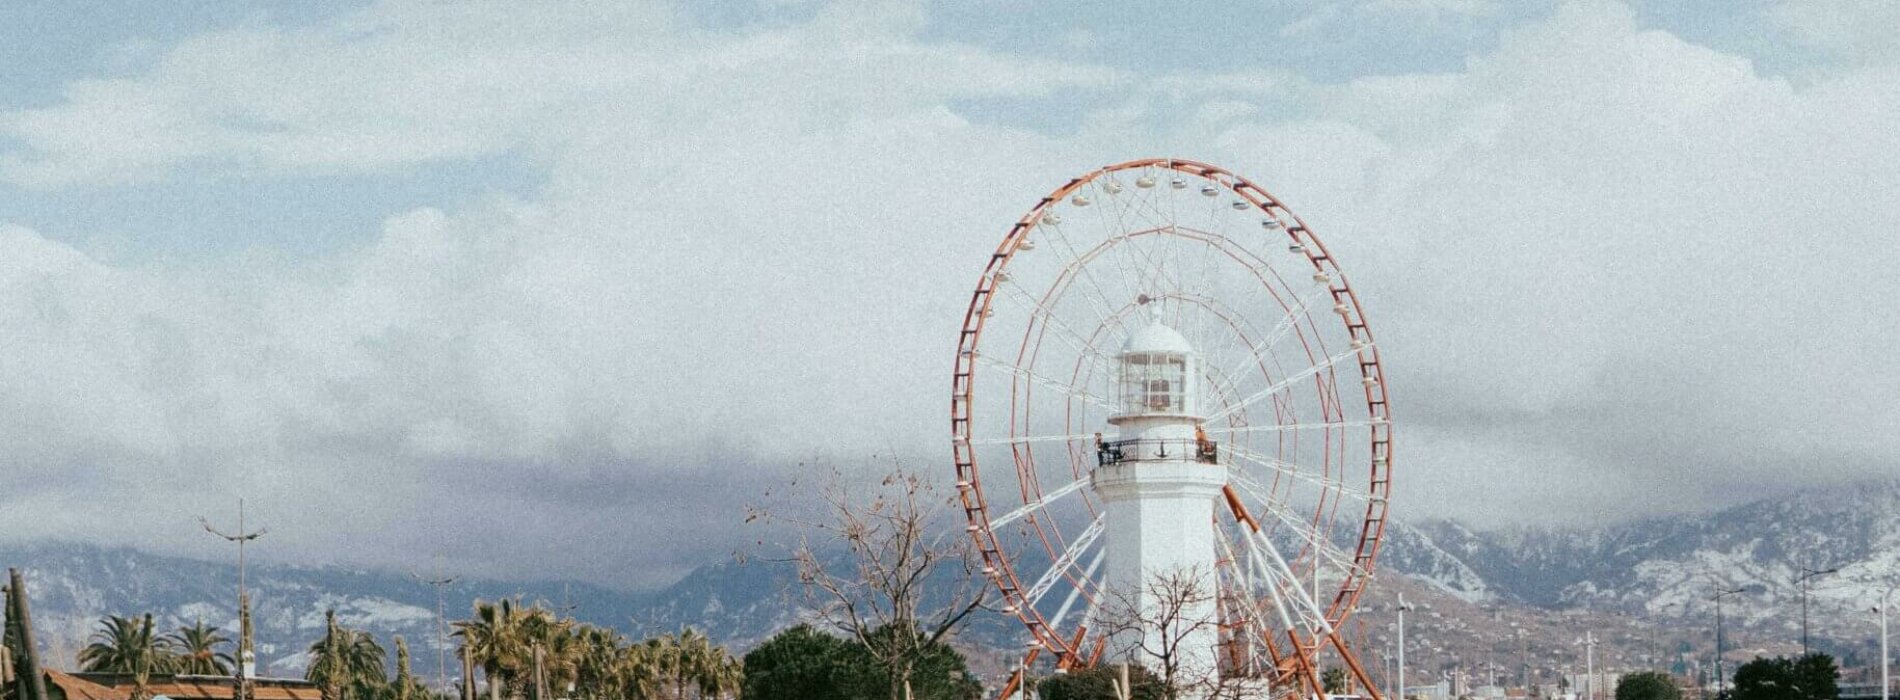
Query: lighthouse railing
[1118, 451]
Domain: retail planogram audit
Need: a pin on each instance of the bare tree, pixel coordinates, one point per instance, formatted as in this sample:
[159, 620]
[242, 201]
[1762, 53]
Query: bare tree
[869, 560]
[1158, 623]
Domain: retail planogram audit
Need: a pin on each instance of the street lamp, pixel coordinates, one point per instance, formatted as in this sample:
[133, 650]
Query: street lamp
[1655, 653]
[1589, 643]
[1402, 608]
[1886, 602]
[1807, 575]
[1720, 679]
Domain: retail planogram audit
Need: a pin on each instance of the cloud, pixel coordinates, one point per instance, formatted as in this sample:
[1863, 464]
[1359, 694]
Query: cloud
[1859, 31]
[1609, 266]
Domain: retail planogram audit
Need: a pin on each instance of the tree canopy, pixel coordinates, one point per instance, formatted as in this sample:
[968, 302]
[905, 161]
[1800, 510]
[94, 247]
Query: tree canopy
[1811, 677]
[1647, 685]
[803, 663]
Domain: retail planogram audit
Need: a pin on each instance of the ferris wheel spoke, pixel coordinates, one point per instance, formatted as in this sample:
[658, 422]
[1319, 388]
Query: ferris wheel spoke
[1287, 427]
[1088, 579]
[1064, 564]
[1302, 528]
[1294, 471]
[1115, 235]
[1029, 439]
[1039, 503]
[1287, 323]
[1069, 335]
[1285, 602]
[1246, 570]
[1068, 389]
[1289, 582]
[1288, 381]
[1101, 299]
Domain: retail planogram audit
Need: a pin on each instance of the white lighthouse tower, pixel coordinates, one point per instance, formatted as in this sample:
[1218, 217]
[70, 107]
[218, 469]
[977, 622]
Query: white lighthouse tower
[1159, 483]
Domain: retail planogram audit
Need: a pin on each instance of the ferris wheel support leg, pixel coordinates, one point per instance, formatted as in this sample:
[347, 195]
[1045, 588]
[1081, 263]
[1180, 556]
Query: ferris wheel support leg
[1352, 664]
[1303, 667]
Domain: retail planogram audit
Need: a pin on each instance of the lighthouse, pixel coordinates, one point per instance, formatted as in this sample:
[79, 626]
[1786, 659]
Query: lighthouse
[1159, 482]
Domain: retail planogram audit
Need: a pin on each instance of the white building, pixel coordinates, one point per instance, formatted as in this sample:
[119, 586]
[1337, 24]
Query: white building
[1159, 483]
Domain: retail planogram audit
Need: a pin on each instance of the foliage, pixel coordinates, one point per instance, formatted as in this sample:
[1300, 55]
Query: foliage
[598, 663]
[1812, 677]
[196, 649]
[1647, 685]
[128, 646]
[347, 664]
[894, 542]
[1333, 681]
[802, 662]
[1099, 684]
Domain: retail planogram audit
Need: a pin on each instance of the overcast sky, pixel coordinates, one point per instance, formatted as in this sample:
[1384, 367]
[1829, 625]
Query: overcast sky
[554, 289]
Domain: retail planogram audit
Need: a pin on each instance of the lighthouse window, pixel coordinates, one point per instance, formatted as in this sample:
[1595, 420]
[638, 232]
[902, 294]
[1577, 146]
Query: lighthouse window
[1153, 382]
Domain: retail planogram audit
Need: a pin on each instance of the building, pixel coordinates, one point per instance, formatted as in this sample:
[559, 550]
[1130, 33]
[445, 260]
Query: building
[113, 686]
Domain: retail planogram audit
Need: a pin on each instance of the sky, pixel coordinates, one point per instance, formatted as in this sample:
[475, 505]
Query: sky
[551, 290]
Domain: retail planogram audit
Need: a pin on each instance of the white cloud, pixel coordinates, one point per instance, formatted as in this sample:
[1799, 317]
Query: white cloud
[1599, 255]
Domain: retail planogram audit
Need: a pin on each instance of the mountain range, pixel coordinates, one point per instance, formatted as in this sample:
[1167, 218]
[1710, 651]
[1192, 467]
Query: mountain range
[1480, 595]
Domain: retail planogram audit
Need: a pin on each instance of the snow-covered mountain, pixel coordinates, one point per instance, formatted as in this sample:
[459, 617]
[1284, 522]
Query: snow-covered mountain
[1472, 585]
[1668, 567]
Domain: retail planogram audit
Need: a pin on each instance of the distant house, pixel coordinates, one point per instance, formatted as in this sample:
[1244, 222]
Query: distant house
[113, 686]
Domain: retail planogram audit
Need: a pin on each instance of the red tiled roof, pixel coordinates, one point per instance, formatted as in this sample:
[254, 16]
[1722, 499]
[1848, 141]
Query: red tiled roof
[75, 688]
[105, 686]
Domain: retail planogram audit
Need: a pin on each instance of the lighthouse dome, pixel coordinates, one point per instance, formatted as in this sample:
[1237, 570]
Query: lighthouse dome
[1157, 338]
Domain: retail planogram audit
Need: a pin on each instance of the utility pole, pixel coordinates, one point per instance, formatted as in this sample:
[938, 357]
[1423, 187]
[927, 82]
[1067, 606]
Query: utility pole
[1655, 653]
[1886, 681]
[1524, 660]
[1807, 575]
[1590, 665]
[1720, 679]
[1402, 608]
[441, 625]
[247, 661]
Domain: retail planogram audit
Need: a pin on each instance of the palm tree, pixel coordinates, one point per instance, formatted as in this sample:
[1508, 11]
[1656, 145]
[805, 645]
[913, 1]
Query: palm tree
[347, 664]
[128, 646]
[405, 686]
[493, 637]
[196, 650]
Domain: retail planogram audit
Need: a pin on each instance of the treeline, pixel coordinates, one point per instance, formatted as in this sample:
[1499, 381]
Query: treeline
[522, 651]
[528, 651]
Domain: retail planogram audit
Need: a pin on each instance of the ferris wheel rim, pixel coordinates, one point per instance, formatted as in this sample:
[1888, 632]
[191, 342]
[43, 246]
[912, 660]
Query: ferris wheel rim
[981, 521]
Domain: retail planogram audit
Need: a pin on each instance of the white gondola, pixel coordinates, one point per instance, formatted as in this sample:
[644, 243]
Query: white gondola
[1295, 248]
[1145, 181]
[1209, 190]
[1240, 204]
[1079, 200]
[1026, 245]
[1322, 277]
[1112, 188]
[1178, 184]
[1270, 224]
[1342, 309]
[1052, 219]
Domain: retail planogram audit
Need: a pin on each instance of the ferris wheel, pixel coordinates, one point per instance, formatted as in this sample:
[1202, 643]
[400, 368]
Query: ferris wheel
[1167, 317]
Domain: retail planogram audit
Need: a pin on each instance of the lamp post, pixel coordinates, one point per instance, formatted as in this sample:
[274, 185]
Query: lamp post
[1720, 679]
[1886, 681]
[1402, 608]
[1655, 652]
[1807, 575]
[246, 661]
[1589, 665]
